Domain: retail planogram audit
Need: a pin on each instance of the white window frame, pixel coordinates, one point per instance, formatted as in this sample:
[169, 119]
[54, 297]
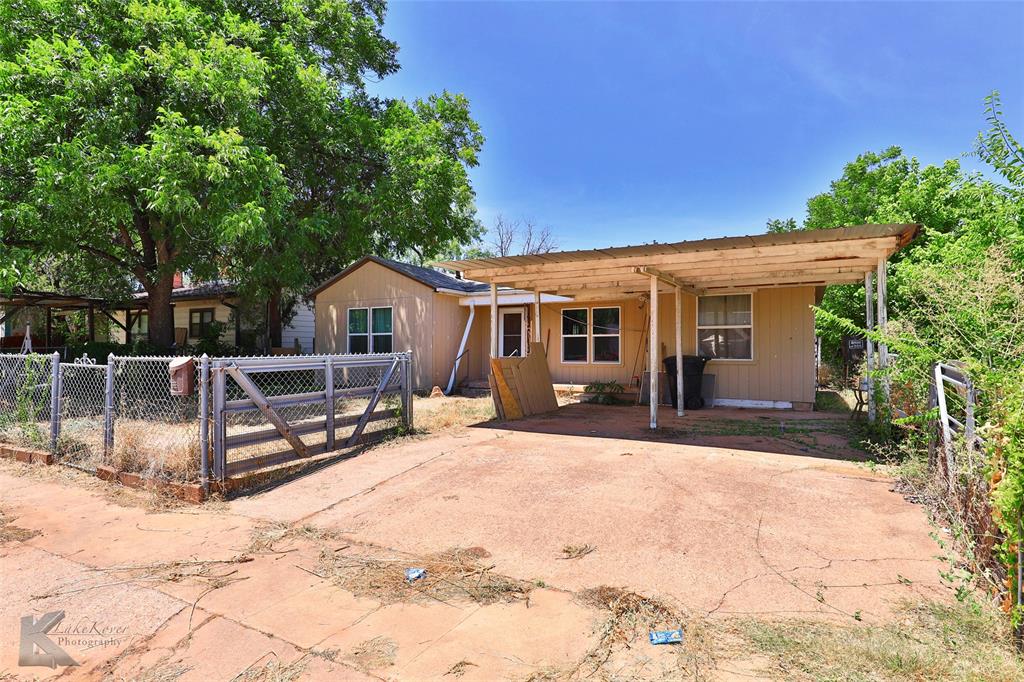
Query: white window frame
[349, 334]
[697, 327]
[595, 335]
[370, 334]
[374, 335]
[563, 336]
[502, 312]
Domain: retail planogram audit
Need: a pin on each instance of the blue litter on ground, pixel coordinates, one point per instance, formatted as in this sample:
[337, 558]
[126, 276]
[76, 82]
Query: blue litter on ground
[414, 574]
[667, 636]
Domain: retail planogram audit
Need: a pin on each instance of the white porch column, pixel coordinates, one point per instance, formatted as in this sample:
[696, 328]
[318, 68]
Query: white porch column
[869, 312]
[536, 315]
[679, 352]
[654, 352]
[494, 320]
[883, 322]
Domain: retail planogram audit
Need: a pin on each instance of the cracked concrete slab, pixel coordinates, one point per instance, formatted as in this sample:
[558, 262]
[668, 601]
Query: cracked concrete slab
[718, 530]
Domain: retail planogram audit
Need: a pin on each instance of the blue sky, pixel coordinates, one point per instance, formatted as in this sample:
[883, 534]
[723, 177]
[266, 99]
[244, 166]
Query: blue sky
[636, 122]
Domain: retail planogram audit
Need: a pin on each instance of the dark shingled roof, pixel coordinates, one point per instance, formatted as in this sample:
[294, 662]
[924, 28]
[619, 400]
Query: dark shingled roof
[435, 279]
[195, 291]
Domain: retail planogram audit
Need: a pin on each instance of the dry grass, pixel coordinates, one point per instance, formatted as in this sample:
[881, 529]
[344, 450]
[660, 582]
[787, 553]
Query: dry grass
[577, 551]
[451, 576]
[265, 537]
[273, 671]
[373, 654]
[622, 639]
[459, 669]
[433, 415]
[150, 499]
[931, 641]
[166, 450]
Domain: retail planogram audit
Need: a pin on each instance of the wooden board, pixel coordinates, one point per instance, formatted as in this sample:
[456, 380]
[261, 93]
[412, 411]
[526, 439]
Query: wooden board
[523, 384]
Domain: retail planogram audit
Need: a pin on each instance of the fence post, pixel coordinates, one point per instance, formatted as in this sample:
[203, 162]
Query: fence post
[329, 400]
[55, 390]
[933, 425]
[108, 409]
[204, 421]
[407, 391]
[219, 387]
[969, 423]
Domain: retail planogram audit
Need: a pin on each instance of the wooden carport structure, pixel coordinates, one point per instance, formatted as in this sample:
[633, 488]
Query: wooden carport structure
[19, 299]
[842, 255]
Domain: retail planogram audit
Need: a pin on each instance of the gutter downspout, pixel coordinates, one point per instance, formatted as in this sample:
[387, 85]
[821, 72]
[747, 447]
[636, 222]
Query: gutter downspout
[462, 348]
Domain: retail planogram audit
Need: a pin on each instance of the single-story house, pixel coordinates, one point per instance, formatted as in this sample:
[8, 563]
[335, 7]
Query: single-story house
[745, 302]
[196, 306]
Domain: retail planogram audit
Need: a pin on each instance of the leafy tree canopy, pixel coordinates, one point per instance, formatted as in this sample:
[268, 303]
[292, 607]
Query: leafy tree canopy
[230, 138]
[963, 214]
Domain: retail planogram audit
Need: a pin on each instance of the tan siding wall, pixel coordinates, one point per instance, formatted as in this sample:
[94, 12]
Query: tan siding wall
[449, 323]
[783, 364]
[221, 313]
[374, 285]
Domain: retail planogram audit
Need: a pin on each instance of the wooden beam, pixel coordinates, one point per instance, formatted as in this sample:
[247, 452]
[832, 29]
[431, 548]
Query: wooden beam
[494, 320]
[679, 352]
[536, 316]
[671, 280]
[883, 324]
[113, 319]
[653, 354]
[862, 248]
[869, 316]
[690, 279]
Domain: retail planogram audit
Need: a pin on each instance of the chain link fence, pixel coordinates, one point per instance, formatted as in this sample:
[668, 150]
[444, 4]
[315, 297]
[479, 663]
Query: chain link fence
[25, 399]
[80, 439]
[125, 415]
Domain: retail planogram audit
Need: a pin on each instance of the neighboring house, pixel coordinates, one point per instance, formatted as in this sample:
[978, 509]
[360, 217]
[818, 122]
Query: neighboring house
[745, 302]
[196, 306]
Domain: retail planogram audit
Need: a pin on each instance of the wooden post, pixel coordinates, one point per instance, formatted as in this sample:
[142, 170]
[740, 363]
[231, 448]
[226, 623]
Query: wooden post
[49, 327]
[870, 316]
[91, 317]
[494, 320]
[536, 315]
[653, 354]
[679, 352]
[883, 323]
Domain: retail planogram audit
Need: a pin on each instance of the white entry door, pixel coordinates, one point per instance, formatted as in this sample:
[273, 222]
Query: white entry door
[512, 332]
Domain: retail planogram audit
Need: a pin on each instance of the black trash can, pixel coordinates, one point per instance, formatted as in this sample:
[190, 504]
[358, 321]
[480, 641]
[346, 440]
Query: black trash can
[693, 379]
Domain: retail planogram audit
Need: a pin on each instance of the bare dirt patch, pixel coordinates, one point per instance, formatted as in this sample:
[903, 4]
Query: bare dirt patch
[11, 533]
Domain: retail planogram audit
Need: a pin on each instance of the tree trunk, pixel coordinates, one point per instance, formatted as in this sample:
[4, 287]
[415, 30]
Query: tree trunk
[161, 315]
[274, 327]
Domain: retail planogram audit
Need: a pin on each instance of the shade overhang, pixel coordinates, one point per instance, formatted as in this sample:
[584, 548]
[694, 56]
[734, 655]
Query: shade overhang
[803, 258]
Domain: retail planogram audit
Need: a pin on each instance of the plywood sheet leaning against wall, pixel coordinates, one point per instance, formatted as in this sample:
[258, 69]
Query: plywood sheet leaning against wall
[521, 387]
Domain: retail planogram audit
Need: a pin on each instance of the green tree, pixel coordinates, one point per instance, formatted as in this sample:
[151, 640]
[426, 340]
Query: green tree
[229, 138]
[963, 215]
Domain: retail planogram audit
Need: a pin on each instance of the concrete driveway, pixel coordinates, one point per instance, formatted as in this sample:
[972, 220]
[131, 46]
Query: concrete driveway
[553, 510]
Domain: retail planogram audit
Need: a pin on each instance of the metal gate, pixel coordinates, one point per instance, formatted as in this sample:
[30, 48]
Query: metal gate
[265, 411]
